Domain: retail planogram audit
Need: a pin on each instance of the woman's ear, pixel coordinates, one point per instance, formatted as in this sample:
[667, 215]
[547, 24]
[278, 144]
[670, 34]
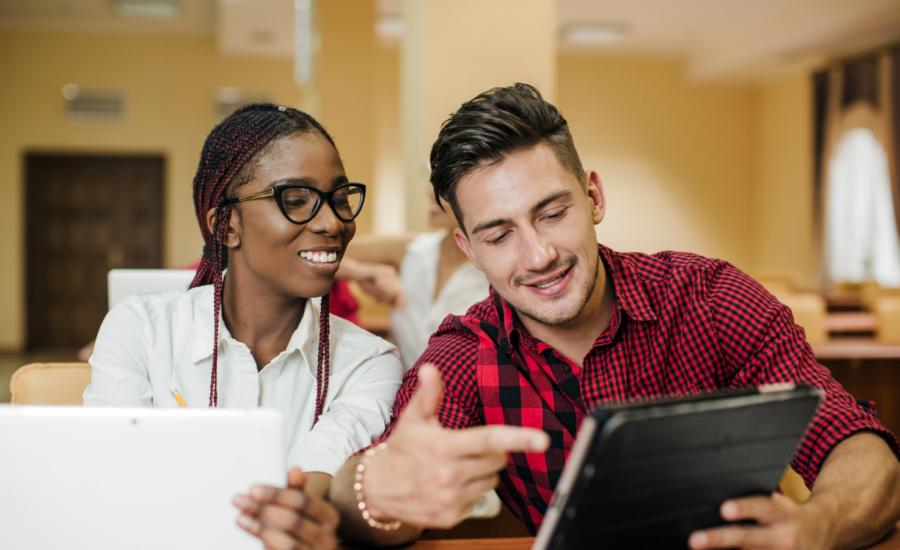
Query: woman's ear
[232, 232]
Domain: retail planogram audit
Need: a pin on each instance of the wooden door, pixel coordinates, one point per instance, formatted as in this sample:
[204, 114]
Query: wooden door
[86, 215]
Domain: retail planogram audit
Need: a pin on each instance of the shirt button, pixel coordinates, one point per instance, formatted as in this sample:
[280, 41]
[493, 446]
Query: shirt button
[567, 368]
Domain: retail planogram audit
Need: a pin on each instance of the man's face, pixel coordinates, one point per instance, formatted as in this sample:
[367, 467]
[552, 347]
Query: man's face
[530, 226]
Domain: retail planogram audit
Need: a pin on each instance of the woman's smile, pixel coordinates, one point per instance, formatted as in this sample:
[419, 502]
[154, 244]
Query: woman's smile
[324, 261]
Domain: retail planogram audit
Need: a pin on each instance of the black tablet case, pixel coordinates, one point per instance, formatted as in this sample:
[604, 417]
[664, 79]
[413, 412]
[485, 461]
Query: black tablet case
[648, 475]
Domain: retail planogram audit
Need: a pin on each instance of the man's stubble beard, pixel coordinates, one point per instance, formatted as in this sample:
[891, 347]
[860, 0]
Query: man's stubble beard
[587, 287]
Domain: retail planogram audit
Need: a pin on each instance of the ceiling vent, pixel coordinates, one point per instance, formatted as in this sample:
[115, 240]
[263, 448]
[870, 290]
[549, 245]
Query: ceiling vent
[228, 100]
[86, 104]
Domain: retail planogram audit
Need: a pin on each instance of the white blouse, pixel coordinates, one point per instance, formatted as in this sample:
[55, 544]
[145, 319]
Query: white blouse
[152, 345]
[423, 312]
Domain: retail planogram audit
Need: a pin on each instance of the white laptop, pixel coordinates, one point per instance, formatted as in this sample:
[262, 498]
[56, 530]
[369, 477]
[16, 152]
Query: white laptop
[114, 479]
[122, 283]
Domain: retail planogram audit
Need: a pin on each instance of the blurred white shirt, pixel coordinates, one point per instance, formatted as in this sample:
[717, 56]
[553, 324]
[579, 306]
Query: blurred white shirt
[423, 312]
[151, 345]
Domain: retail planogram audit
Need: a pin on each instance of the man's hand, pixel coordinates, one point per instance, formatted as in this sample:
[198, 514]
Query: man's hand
[782, 524]
[429, 476]
[288, 518]
[854, 503]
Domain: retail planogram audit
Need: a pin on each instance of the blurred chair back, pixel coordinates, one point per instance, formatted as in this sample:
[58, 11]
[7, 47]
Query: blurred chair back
[777, 286]
[870, 293]
[887, 313]
[50, 383]
[793, 487]
[809, 312]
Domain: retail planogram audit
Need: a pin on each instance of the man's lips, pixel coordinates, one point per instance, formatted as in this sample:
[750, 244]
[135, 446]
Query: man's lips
[552, 277]
[551, 284]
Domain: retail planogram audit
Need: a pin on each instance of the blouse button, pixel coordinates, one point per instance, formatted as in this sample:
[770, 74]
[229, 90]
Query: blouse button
[567, 368]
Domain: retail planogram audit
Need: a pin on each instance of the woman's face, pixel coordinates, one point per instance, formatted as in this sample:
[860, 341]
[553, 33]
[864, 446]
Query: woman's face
[438, 218]
[265, 247]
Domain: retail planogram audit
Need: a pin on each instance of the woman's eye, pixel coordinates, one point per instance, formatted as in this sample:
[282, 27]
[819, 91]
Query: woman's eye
[294, 203]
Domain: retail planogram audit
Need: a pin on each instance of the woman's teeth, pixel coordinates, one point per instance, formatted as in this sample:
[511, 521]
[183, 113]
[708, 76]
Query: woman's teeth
[548, 283]
[320, 257]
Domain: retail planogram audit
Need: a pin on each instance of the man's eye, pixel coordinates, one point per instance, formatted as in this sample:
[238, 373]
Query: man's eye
[497, 240]
[556, 215]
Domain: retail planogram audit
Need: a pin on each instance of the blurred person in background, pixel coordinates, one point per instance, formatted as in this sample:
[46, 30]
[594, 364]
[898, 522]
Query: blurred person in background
[276, 209]
[424, 277]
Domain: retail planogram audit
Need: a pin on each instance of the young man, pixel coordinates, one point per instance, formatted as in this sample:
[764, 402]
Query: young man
[571, 324]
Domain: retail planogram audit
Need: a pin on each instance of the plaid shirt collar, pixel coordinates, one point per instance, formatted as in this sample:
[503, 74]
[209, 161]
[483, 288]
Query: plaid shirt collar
[628, 296]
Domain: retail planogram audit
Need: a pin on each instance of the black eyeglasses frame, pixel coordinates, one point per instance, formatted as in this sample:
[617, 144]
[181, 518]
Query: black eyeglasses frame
[277, 191]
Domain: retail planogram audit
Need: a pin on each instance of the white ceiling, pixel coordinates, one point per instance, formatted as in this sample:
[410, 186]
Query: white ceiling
[744, 40]
[741, 39]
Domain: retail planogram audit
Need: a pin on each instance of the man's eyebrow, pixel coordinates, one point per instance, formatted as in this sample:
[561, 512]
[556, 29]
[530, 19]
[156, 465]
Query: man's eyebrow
[490, 224]
[555, 196]
[534, 209]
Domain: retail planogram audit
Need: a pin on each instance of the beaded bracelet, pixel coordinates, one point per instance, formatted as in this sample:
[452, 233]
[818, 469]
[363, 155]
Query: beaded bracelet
[360, 495]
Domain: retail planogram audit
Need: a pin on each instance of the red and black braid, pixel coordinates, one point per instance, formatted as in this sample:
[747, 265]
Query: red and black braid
[226, 163]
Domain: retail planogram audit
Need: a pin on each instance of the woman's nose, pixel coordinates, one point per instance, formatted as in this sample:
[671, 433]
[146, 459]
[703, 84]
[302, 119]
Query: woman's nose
[326, 221]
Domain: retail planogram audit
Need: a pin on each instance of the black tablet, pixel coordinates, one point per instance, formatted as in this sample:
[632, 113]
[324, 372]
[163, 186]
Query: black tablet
[649, 474]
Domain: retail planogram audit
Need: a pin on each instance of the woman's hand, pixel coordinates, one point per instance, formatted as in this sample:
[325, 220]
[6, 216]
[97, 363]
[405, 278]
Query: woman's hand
[288, 518]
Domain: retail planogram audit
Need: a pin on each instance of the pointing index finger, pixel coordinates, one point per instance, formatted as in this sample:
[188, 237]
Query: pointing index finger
[498, 439]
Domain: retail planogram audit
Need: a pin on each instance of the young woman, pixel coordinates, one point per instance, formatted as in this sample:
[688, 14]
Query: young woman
[276, 209]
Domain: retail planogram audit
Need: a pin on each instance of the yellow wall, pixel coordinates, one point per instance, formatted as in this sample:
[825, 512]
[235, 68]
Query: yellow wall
[169, 82]
[718, 170]
[784, 217]
[676, 159]
[347, 73]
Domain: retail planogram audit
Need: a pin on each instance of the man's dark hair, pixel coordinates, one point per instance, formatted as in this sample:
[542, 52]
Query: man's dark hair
[492, 125]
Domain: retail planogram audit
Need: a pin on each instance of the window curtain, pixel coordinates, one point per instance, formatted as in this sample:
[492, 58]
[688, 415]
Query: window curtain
[857, 135]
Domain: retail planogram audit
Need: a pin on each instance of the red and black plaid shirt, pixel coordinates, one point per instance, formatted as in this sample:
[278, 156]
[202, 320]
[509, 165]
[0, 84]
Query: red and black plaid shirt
[681, 324]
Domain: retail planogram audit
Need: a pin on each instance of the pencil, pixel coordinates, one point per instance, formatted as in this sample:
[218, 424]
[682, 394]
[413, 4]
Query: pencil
[178, 398]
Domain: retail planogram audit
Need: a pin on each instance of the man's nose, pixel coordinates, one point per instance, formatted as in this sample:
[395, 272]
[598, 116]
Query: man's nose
[537, 252]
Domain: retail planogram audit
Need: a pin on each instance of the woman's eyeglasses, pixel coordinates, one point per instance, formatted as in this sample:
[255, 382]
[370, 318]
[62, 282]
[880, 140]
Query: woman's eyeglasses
[299, 203]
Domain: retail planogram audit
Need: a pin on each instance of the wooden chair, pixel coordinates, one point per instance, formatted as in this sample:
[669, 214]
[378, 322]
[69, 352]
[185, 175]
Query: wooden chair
[777, 286]
[50, 383]
[793, 487]
[809, 312]
[887, 313]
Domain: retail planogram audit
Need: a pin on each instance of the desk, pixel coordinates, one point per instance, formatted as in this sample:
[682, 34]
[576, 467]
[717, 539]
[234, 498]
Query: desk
[843, 300]
[892, 542]
[851, 321]
[855, 348]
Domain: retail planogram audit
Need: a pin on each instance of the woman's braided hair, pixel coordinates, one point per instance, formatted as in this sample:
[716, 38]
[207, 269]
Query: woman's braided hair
[226, 163]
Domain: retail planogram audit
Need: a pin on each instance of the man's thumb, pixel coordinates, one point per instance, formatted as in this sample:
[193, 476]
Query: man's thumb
[424, 403]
